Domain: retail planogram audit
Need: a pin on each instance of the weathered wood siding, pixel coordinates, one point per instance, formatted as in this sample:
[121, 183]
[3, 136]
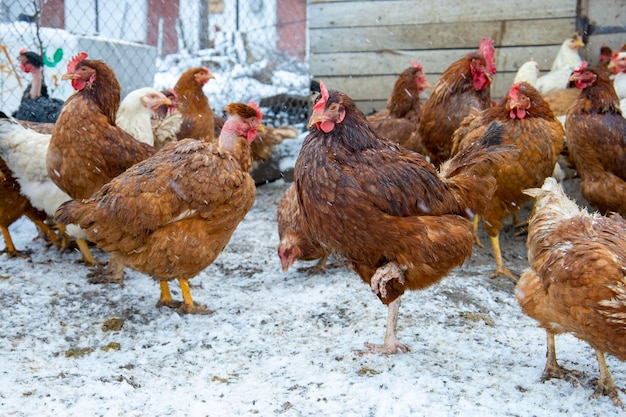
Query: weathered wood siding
[361, 46]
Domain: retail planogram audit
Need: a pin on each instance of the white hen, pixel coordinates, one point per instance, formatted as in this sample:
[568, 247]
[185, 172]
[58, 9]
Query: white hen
[24, 151]
[566, 61]
[528, 72]
[135, 112]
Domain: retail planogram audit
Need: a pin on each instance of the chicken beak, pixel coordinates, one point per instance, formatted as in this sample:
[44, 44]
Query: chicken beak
[313, 120]
[260, 128]
[69, 76]
[165, 101]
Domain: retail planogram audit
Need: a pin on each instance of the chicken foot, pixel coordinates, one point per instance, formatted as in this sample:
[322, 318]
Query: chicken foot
[553, 369]
[186, 306]
[605, 383]
[10, 247]
[501, 269]
[379, 280]
[113, 273]
[391, 344]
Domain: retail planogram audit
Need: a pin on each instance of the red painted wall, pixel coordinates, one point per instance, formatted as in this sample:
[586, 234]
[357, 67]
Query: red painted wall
[168, 11]
[291, 29]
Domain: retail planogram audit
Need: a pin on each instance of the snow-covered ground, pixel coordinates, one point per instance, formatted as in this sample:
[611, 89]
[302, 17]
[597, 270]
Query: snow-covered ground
[276, 344]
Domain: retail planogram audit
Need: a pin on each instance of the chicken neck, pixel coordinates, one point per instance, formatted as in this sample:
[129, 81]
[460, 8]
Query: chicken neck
[36, 83]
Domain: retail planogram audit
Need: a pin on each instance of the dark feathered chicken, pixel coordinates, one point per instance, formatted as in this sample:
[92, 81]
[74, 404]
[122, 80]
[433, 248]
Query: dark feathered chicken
[399, 222]
[463, 86]
[398, 121]
[596, 140]
[36, 105]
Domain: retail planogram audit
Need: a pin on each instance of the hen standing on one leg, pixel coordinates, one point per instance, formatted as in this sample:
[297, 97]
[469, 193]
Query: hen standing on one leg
[171, 215]
[530, 127]
[575, 282]
[400, 224]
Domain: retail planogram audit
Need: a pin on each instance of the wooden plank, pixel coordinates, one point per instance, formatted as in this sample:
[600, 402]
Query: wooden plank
[375, 13]
[433, 61]
[440, 35]
[375, 89]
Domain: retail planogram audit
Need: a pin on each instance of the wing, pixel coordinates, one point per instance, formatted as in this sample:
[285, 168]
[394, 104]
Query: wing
[185, 179]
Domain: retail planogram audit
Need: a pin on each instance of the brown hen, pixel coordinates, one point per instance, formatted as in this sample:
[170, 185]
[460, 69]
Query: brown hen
[530, 127]
[171, 215]
[295, 244]
[197, 115]
[87, 149]
[14, 205]
[398, 121]
[463, 86]
[576, 282]
[400, 223]
[596, 132]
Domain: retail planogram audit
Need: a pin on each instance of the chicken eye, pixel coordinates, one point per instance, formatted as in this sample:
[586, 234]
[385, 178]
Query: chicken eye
[334, 107]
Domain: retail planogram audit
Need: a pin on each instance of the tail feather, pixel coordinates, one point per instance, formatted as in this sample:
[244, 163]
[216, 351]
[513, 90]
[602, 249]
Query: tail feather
[75, 212]
[470, 173]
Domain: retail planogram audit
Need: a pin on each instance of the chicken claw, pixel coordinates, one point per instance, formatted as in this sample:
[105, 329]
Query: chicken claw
[383, 275]
[605, 384]
[553, 369]
[113, 273]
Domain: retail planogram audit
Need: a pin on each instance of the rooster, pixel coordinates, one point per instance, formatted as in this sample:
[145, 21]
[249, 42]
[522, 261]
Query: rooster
[575, 282]
[398, 121]
[397, 221]
[595, 132]
[135, 112]
[87, 148]
[294, 243]
[530, 127]
[171, 215]
[463, 86]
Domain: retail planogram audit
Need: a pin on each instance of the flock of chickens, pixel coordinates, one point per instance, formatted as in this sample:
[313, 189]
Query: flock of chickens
[160, 183]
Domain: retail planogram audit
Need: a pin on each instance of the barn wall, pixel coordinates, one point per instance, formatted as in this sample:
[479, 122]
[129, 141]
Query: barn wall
[361, 46]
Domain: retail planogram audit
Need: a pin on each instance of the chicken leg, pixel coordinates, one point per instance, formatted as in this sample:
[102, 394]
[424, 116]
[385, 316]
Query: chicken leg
[187, 306]
[391, 344]
[501, 269]
[606, 386]
[10, 247]
[553, 369]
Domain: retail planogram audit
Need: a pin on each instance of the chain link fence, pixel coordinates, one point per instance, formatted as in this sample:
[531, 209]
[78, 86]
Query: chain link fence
[134, 36]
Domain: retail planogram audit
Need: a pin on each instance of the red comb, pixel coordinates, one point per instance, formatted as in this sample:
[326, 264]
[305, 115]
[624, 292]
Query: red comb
[581, 68]
[514, 90]
[23, 50]
[417, 65]
[323, 97]
[488, 51]
[255, 106]
[71, 66]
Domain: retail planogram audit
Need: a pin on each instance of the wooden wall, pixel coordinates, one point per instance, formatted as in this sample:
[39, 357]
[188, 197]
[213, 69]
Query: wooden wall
[360, 47]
